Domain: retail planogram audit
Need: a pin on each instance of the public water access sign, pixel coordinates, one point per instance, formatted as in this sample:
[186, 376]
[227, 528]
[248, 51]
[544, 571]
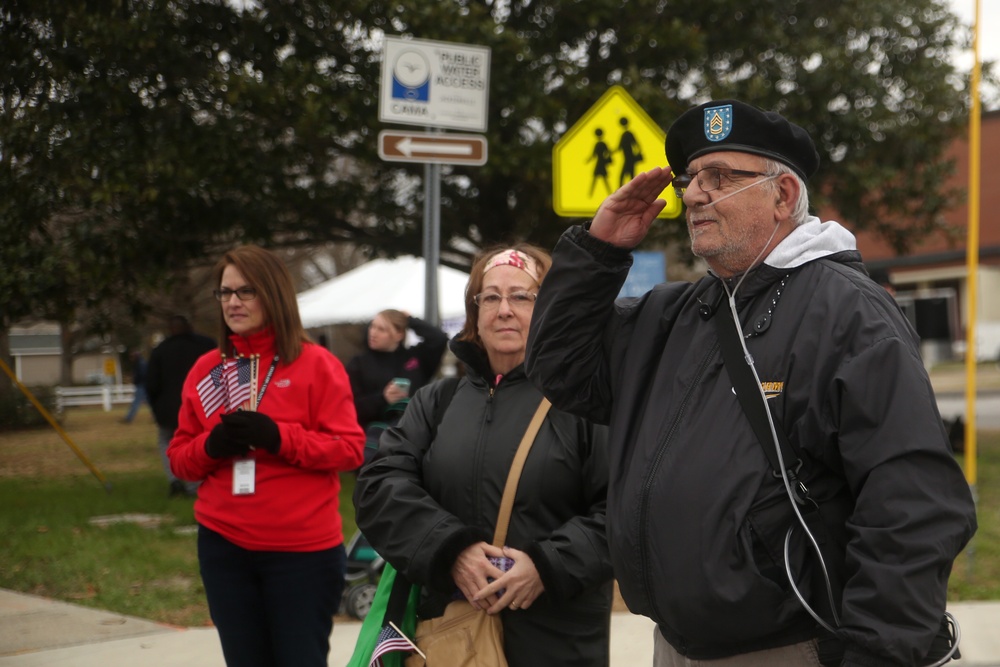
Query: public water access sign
[606, 148]
[434, 84]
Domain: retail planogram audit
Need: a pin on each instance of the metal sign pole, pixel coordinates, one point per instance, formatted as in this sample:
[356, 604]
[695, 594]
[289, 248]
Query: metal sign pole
[434, 256]
[418, 88]
[432, 241]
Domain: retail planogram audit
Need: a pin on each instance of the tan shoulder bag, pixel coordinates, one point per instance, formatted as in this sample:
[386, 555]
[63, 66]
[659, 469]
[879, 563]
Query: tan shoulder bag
[465, 636]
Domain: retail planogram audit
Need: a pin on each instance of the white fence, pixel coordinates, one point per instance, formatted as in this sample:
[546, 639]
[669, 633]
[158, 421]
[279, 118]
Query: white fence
[104, 395]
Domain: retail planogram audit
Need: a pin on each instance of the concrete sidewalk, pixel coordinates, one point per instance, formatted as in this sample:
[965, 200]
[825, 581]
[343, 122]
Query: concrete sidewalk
[37, 632]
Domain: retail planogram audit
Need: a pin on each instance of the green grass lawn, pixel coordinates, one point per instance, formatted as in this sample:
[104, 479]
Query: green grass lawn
[976, 575]
[51, 547]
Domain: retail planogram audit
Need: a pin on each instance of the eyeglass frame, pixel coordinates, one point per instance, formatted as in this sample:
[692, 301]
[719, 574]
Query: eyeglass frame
[225, 294]
[687, 178]
[508, 297]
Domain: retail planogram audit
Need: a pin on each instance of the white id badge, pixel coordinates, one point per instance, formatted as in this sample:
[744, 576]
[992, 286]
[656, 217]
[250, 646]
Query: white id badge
[244, 471]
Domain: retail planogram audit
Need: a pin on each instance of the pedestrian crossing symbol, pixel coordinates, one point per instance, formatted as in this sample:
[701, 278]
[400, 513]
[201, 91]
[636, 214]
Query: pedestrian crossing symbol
[606, 148]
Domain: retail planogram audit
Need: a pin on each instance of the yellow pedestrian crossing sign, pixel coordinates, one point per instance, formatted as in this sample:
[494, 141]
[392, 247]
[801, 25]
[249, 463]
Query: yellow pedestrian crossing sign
[606, 148]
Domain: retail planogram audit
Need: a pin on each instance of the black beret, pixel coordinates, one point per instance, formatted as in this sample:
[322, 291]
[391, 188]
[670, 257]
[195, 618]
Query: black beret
[731, 125]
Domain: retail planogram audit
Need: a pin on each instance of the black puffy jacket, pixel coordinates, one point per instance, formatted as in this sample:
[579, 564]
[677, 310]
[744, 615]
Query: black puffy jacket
[420, 503]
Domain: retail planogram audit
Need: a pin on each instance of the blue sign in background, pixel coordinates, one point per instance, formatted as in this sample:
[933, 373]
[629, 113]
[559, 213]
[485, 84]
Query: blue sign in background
[649, 268]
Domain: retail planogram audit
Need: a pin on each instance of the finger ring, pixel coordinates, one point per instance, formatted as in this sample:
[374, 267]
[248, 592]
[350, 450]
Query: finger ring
[513, 606]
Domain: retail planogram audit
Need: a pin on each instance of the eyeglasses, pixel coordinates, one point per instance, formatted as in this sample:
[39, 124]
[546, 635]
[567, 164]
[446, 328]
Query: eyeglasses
[709, 178]
[243, 294]
[491, 300]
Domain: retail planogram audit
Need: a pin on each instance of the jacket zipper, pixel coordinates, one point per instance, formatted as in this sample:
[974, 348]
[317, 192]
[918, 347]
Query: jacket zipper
[489, 406]
[476, 485]
[650, 582]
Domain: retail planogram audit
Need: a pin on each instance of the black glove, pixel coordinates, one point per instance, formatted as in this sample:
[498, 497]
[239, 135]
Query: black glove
[220, 445]
[255, 429]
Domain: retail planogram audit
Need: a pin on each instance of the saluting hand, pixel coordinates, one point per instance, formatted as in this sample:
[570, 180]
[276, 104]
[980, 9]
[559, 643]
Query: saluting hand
[625, 216]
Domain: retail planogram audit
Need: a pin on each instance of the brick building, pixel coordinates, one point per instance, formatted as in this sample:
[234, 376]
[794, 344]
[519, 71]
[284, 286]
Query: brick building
[931, 281]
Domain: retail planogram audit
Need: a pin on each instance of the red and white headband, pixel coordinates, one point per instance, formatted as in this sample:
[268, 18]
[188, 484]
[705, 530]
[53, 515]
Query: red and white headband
[519, 260]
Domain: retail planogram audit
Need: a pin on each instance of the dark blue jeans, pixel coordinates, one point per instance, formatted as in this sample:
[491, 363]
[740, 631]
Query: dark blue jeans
[271, 608]
[138, 399]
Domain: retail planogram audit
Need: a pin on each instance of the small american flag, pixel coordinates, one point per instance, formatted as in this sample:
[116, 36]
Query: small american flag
[211, 391]
[226, 386]
[237, 374]
[389, 640]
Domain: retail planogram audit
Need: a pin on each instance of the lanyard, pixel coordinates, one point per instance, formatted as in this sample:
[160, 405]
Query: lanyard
[267, 379]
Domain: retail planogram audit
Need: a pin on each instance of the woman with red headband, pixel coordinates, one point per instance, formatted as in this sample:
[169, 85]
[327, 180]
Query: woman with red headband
[429, 498]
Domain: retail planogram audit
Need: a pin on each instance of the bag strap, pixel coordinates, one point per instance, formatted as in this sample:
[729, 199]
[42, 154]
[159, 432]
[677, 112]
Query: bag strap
[748, 393]
[448, 386]
[399, 595]
[507, 501]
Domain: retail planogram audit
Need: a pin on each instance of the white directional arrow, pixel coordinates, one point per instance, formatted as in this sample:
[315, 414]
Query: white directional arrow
[410, 146]
[469, 149]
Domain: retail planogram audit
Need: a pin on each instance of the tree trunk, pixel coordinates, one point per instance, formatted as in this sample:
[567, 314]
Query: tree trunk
[6, 384]
[66, 360]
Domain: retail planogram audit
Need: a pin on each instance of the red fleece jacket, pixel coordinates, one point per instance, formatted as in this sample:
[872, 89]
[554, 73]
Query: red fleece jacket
[296, 504]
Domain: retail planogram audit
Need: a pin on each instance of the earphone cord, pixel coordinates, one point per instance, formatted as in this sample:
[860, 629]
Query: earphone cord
[781, 462]
[953, 622]
[736, 192]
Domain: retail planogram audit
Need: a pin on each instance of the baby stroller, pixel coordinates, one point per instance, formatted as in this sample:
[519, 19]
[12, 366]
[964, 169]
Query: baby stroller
[364, 567]
[390, 417]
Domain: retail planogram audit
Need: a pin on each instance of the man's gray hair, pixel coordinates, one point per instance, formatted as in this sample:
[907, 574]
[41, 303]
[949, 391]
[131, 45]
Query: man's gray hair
[801, 209]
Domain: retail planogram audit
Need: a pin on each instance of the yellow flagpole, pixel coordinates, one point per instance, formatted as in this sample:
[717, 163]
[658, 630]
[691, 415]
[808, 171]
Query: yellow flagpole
[972, 280]
[972, 261]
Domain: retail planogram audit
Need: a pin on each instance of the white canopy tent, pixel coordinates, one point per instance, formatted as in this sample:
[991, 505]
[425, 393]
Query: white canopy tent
[357, 295]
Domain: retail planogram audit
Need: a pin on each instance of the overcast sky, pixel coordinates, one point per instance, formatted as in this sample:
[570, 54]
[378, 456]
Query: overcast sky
[989, 28]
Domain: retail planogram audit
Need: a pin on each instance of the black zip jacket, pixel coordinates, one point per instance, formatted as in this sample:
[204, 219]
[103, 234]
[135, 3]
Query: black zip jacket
[420, 503]
[696, 519]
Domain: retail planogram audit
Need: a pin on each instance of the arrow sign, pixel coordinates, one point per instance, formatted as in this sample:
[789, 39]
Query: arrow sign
[465, 149]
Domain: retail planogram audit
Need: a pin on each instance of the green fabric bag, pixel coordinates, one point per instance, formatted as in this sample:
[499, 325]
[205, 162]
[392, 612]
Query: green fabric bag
[387, 606]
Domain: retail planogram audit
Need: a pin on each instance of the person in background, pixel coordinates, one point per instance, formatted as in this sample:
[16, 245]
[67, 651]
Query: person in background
[139, 382]
[429, 499]
[387, 358]
[169, 363]
[707, 535]
[267, 442]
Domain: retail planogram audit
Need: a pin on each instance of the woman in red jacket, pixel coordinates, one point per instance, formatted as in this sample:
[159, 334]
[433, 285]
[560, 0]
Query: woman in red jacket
[267, 422]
